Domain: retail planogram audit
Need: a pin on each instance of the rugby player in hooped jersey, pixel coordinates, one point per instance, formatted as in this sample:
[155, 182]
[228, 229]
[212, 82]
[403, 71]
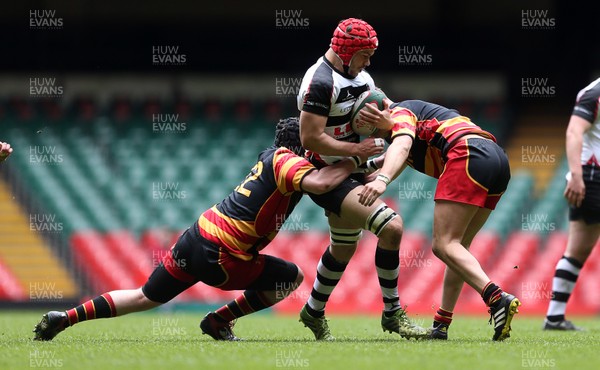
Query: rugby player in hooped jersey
[472, 172]
[222, 248]
[328, 91]
[583, 196]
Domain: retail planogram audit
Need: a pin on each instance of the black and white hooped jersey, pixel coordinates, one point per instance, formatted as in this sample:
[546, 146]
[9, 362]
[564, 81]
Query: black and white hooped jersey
[586, 107]
[328, 92]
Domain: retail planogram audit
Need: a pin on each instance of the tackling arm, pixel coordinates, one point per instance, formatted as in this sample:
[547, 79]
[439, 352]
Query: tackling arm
[314, 138]
[394, 163]
[329, 177]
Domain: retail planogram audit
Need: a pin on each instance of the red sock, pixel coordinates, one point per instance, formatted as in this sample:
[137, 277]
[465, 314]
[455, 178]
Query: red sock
[248, 302]
[491, 293]
[97, 308]
[443, 316]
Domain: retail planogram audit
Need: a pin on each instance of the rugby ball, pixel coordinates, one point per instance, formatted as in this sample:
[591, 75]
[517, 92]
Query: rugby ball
[367, 97]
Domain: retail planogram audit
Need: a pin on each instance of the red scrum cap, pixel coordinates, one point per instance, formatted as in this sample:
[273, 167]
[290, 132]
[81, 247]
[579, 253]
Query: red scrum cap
[352, 35]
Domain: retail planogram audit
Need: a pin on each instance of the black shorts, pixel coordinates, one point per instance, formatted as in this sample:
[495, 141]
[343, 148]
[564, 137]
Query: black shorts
[193, 259]
[332, 200]
[590, 207]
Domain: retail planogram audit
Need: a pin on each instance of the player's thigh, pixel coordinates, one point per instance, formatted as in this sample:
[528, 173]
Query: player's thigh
[475, 225]
[377, 218]
[450, 221]
[172, 276]
[354, 213]
[277, 274]
[332, 201]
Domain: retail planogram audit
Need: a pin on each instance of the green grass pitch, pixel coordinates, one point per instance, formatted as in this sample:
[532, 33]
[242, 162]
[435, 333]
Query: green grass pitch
[159, 340]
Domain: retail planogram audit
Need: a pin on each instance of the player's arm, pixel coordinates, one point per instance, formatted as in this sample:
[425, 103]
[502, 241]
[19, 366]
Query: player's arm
[329, 177]
[575, 189]
[314, 138]
[394, 163]
[5, 150]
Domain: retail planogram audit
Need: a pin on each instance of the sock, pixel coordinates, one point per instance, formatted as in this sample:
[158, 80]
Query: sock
[442, 317]
[98, 308]
[565, 277]
[248, 302]
[491, 294]
[329, 273]
[387, 263]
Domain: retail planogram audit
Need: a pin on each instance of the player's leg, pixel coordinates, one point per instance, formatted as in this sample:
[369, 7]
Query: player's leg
[475, 175]
[581, 242]
[167, 281]
[449, 227]
[266, 279]
[344, 236]
[387, 226]
[112, 304]
[453, 283]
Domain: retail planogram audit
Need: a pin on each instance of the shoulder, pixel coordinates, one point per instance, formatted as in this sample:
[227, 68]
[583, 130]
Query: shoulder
[588, 99]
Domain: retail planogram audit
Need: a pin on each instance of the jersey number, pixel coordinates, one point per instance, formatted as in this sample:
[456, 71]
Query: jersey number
[253, 175]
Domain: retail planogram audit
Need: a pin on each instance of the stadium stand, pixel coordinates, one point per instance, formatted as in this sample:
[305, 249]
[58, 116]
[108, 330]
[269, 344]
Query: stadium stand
[25, 260]
[124, 186]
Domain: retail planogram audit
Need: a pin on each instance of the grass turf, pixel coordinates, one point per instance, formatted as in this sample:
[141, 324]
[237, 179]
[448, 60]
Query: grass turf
[172, 340]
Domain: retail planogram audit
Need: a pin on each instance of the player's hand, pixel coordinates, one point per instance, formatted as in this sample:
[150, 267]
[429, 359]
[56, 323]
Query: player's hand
[5, 150]
[369, 147]
[371, 192]
[575, 190]
[381, 119]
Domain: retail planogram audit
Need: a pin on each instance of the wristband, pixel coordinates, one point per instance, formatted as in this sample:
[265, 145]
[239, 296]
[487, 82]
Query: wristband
[371, 166]
[384, 178]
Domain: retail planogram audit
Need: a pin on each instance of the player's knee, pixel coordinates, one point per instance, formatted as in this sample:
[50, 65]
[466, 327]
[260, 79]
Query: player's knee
[342, 253]
[391, 235]
[380, 218]
[144, 300]
[344, 237]
[439, 249]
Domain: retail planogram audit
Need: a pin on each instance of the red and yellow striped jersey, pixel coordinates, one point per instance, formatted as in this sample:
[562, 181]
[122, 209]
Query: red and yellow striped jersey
[434, 129]
[250, 216]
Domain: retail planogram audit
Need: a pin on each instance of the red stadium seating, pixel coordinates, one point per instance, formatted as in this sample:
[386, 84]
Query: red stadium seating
[118, 261]
[104, 269]
[10, 289]
[132, 256]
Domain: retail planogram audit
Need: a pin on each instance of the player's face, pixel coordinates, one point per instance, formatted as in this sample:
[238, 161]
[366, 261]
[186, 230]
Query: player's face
[360, 61]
